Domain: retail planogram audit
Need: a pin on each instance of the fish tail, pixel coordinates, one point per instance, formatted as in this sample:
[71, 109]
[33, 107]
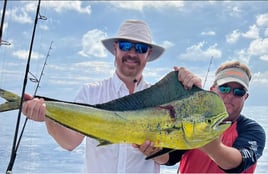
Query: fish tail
[12, 101]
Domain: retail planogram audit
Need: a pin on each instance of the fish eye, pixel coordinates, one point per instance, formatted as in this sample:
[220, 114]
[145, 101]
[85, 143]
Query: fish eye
[209, 121]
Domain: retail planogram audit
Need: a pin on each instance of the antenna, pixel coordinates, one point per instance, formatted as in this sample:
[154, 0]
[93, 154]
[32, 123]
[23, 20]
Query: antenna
[210, 62]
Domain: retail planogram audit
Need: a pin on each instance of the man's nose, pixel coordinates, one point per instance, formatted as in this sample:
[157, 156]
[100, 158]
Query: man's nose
[132, 51]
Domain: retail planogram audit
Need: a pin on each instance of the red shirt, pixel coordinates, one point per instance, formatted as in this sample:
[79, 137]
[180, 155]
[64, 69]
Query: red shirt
[195, 161]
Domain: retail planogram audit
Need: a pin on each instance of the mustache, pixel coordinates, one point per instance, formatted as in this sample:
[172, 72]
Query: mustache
[132, 58]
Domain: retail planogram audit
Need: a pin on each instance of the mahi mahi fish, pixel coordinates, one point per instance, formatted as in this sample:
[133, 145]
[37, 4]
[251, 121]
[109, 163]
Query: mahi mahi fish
[165, 113]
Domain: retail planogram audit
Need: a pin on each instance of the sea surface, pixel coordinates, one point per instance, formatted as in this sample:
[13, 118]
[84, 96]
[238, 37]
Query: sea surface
[38, 152]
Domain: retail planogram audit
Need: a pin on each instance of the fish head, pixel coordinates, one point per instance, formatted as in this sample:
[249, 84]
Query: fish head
[206, 122]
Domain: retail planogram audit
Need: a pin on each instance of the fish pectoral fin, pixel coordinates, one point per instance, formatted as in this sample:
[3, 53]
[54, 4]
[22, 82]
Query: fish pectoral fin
[103, 142]
[159, 153]
[169, 130]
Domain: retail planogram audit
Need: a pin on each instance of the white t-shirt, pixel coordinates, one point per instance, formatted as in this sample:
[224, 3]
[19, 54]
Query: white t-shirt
[115, 158]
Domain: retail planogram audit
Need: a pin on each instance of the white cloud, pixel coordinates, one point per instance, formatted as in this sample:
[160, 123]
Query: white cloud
[198, 52]
[259, 47]
[252, 33]
[19, 15]
[262, 20]
[260, 78]
[23, 54]
[233, 37]
[234, 10]
[242, 55]
[208, 33]
[167, 44]
[61, 6]
[30, 6]
[91, 43]
[140, 5]
[264, 57]
[23, 13]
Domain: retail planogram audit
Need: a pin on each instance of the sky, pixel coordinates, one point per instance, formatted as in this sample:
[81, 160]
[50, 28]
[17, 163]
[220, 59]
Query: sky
[198, 35]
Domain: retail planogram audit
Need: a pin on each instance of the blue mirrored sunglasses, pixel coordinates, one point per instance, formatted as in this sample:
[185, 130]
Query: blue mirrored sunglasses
[240, 92]
[140, 48]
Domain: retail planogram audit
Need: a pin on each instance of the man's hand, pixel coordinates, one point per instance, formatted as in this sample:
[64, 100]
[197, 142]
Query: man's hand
[147, 148]
[33, 108]
[187, 78]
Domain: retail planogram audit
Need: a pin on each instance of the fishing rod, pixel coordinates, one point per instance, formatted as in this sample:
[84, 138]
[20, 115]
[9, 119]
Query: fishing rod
[2, 42]
[210, 63]
[42, 71]
[14, 149]
[2, 20]
[35, 80]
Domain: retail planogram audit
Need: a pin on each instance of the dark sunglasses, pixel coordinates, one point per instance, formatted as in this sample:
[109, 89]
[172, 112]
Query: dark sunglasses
[140, 48]
[239, 92]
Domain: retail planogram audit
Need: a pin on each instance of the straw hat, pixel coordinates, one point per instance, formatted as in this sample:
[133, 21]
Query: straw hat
[138, 31]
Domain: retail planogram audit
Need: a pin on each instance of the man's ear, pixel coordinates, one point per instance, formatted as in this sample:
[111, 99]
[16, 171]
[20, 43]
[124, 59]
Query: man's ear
[149, 53]
[247, 94]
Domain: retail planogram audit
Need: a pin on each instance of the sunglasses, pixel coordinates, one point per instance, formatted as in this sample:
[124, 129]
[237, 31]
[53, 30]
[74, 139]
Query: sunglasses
[140, 48]
[239, 92]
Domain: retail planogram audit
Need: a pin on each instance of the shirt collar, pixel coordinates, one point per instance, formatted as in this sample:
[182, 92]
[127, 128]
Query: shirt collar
[119, 85]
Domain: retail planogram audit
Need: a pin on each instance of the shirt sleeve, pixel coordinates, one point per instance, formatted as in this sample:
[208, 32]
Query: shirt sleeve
[250, 142]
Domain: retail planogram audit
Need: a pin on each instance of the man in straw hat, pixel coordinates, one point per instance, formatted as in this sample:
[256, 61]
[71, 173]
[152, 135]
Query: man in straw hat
[132, 49]
[242, 144]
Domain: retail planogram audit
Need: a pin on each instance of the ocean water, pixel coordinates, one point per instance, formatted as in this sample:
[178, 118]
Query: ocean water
[39, 153]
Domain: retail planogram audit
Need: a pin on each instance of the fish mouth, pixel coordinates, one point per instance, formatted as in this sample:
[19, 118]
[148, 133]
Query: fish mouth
[224, 122]
[221, 123]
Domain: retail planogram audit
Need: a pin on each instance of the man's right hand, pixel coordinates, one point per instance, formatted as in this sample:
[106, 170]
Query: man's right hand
[34, 108]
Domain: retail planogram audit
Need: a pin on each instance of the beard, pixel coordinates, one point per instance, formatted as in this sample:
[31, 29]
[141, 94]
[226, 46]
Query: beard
[129, 66]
